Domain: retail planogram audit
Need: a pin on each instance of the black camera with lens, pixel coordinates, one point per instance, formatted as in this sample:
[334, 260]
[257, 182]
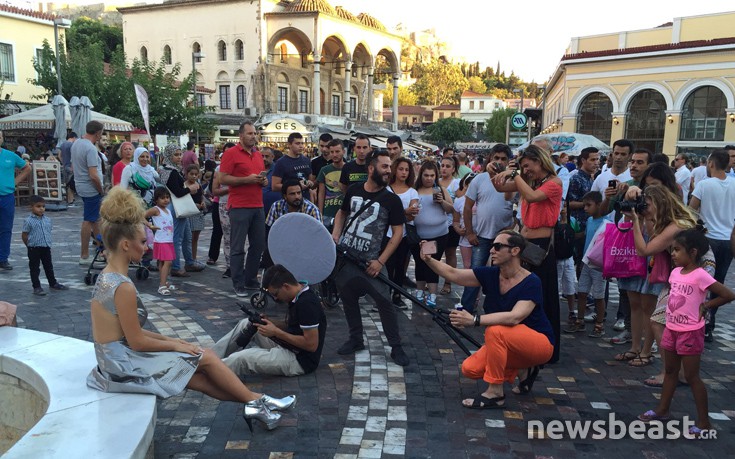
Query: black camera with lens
[243, 339]
[639, 205]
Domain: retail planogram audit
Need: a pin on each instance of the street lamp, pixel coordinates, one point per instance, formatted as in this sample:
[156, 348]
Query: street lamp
[194, 56]
[516, 91]
[63, 22]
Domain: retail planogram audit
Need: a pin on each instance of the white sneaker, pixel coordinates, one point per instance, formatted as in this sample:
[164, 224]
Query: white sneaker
[419, 294]
[83, 261]
[619, 325]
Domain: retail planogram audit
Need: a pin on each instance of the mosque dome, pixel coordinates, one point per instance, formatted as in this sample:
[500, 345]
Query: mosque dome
[370, 21]
[344, 14]
[321, 6]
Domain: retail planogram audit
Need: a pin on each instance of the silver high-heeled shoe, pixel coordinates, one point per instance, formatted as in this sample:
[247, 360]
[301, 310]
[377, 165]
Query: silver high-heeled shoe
[279, 404]
[257, 409]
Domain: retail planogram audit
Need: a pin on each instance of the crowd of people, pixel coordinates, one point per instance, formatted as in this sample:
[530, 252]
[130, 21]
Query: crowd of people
[508, 215]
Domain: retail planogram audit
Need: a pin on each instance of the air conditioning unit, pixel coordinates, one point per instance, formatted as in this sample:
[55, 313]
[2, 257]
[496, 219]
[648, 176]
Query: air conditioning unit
[251, 111]
[349, 125]
[308, 119]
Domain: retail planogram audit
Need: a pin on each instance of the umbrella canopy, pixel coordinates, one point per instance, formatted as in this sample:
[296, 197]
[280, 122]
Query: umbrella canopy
[80, 109]
[42, 118]
[59, 105]
[572, 143]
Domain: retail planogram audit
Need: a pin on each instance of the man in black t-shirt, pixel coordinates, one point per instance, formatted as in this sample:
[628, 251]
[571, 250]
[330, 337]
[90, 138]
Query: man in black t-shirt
[356, 171]
[360, 225]
[290, 351]
[323, 159]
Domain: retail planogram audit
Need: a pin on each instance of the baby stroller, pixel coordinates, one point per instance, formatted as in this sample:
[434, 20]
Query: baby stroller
[98, 263]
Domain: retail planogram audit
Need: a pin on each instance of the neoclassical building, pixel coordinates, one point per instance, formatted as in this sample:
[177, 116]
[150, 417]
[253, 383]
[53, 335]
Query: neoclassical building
[269, 59]
[670, 88]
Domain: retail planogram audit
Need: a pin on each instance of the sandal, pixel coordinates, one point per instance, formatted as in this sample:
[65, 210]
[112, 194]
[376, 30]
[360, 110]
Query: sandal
[653, 382]
[163, 290]
[483, 403]
[626, 356]
[651, 415]
[446, 289]
[526, 385]
[170, 286]
[641, 361]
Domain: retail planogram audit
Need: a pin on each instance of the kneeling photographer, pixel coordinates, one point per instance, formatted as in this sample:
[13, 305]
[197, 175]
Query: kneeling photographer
[258, 346]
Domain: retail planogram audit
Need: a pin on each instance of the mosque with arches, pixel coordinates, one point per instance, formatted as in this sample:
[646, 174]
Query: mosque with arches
[300, 60]
[670, 88]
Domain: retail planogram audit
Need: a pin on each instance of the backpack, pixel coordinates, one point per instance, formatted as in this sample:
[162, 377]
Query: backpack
[564, 237]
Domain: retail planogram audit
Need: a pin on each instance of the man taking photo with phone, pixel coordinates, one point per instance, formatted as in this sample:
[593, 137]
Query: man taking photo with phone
[359, 227]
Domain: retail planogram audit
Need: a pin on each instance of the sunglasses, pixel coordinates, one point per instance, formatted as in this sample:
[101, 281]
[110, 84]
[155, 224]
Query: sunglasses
[499, 245]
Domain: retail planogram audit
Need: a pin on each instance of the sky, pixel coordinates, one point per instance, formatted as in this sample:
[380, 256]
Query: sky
[529, 39]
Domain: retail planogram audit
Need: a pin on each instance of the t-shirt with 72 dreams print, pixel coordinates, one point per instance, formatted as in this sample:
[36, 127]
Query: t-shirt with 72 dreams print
[363, 239]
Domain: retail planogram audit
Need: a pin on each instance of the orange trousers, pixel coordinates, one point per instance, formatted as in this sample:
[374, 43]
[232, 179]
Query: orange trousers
[507, 349]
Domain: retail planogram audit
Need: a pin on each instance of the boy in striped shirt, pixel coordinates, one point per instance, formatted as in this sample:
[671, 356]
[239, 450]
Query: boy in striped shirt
[37, 238]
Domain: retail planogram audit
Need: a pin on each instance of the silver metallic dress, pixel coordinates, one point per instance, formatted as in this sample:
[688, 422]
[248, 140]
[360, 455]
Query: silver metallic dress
[121, 369]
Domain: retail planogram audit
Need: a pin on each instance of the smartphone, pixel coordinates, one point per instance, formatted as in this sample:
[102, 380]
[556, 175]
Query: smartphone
[612, 184]
[428, 248]
[263, 173]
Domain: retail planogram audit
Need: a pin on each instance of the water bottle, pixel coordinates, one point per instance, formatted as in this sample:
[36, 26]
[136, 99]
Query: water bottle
[458, 307]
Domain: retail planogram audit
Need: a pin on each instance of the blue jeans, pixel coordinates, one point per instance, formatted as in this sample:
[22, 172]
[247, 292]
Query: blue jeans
[480, 256]
[7, 214]
[723, 258]
[246, 224]
[182, 241]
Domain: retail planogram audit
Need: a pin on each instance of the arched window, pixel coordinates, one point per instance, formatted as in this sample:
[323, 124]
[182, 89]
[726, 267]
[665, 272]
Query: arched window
[703, 115]
[284, 53]
[595, 116]
[241, 96]
[646, 120]
[144, 54]
[222, 50]
[195, 48]
[239, 50]
[167, 55]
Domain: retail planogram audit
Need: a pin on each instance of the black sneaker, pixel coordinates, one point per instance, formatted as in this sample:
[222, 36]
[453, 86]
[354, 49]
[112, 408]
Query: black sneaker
[5, 266]
[708, 338]
[399, 356]
[38, 291]
[58, 286]
[226, 274]
[241, 292]
[252, 286]
[350, 347]
[398, 302]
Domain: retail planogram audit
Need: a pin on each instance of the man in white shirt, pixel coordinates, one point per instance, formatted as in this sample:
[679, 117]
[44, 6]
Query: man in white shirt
[683, 175]
[699, 173]
[618, 171]
[713, 198]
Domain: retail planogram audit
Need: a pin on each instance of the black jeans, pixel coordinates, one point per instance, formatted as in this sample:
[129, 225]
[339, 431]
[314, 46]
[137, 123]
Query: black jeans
[723, 258]
[216, 241]
[423, 272]
[396, 264]
[550, 290]
[36, 256]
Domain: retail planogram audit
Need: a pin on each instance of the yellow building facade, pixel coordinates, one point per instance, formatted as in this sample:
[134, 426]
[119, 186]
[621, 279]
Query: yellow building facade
[670, 89]
[22, 33]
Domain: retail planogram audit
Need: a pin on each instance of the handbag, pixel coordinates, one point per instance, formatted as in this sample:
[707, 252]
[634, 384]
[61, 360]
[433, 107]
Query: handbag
[412, 235]
[184, 206]
[620, 259]
[534, 255]
[660, 269]
[564, 237]
[594, 256]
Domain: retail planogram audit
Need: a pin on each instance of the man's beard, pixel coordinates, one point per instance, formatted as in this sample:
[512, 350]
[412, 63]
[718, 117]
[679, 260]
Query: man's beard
[297, 203]
[378, 178]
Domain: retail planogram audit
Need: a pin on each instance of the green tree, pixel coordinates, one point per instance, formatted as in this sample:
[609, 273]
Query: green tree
[405, 96]
[85, 32]
[448, 131]
[477, 85]
[495, 125]
[439, 83]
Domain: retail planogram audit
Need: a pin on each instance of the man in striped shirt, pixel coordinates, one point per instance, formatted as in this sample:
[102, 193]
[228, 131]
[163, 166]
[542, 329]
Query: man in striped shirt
[36, 236]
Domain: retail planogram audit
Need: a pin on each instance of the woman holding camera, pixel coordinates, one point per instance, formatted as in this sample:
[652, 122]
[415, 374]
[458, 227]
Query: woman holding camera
[431, 226]
[541, 194]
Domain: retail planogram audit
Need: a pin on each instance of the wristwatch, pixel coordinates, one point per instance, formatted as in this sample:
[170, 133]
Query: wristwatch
[514, 174]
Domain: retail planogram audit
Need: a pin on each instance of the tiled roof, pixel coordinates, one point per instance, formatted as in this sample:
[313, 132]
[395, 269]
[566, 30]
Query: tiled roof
[413, 110]
[446, 107]
[26, 12]
[321, 6]
[649, 49]
[476, 94]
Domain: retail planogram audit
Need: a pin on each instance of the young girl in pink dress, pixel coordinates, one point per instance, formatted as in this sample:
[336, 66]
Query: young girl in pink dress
[683, 337]
[163, 240]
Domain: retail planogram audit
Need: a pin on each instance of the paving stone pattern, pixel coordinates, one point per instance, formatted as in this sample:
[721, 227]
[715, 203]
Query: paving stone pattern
[365, 405]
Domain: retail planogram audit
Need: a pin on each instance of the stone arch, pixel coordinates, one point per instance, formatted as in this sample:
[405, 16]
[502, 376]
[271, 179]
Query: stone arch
[240, 75]
[282, 78]
[144, 54]
[167, 56]
[303, 81]
[221, 51]
[636, 88]
[292, 35]
[392, 59]
[334, 47]
[239, 50]
[353, 90]
[223, 76]
[336, 87]
[581, 95]
[693, 85]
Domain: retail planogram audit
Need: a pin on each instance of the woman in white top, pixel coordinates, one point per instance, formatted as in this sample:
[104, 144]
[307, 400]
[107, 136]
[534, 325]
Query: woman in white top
[401, 183]
[448, 179]
[140, 176]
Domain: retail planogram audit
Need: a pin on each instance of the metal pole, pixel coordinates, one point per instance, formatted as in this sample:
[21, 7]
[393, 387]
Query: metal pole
[58, 64]
[194, 88]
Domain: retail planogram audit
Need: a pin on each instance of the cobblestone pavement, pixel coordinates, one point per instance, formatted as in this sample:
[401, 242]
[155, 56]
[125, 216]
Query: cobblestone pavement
[366, 406]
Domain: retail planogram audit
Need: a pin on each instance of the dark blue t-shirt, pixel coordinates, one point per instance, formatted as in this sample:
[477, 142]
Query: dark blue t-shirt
[289, 168]
[529, 289]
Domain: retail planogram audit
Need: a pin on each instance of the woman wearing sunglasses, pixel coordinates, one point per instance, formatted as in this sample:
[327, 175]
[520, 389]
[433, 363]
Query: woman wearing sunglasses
[540, 191]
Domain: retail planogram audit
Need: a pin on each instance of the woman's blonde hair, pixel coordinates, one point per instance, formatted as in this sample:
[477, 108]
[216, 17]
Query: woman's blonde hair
[122, 213]
[669, 209]
[538, 154]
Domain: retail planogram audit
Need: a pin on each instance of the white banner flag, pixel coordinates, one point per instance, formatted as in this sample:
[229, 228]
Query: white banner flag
[142, 97]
